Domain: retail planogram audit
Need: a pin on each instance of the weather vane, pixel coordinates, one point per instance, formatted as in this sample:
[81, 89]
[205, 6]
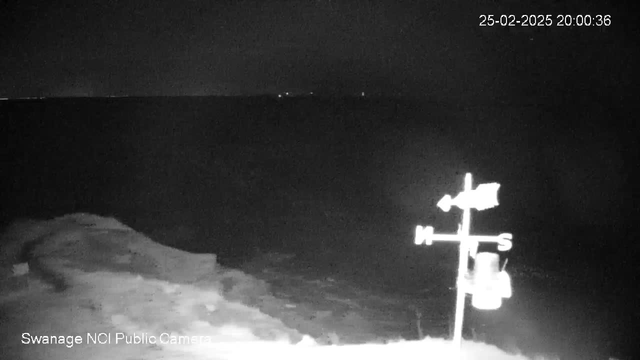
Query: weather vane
[487, 284]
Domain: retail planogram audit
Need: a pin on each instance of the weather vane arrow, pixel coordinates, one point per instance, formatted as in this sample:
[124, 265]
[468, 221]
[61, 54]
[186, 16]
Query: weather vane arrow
[485, 196]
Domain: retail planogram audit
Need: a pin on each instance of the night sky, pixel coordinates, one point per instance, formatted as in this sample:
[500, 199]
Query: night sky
[433, 49]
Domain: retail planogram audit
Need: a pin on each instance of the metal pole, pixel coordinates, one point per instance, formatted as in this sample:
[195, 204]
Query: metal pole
[462, 267]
